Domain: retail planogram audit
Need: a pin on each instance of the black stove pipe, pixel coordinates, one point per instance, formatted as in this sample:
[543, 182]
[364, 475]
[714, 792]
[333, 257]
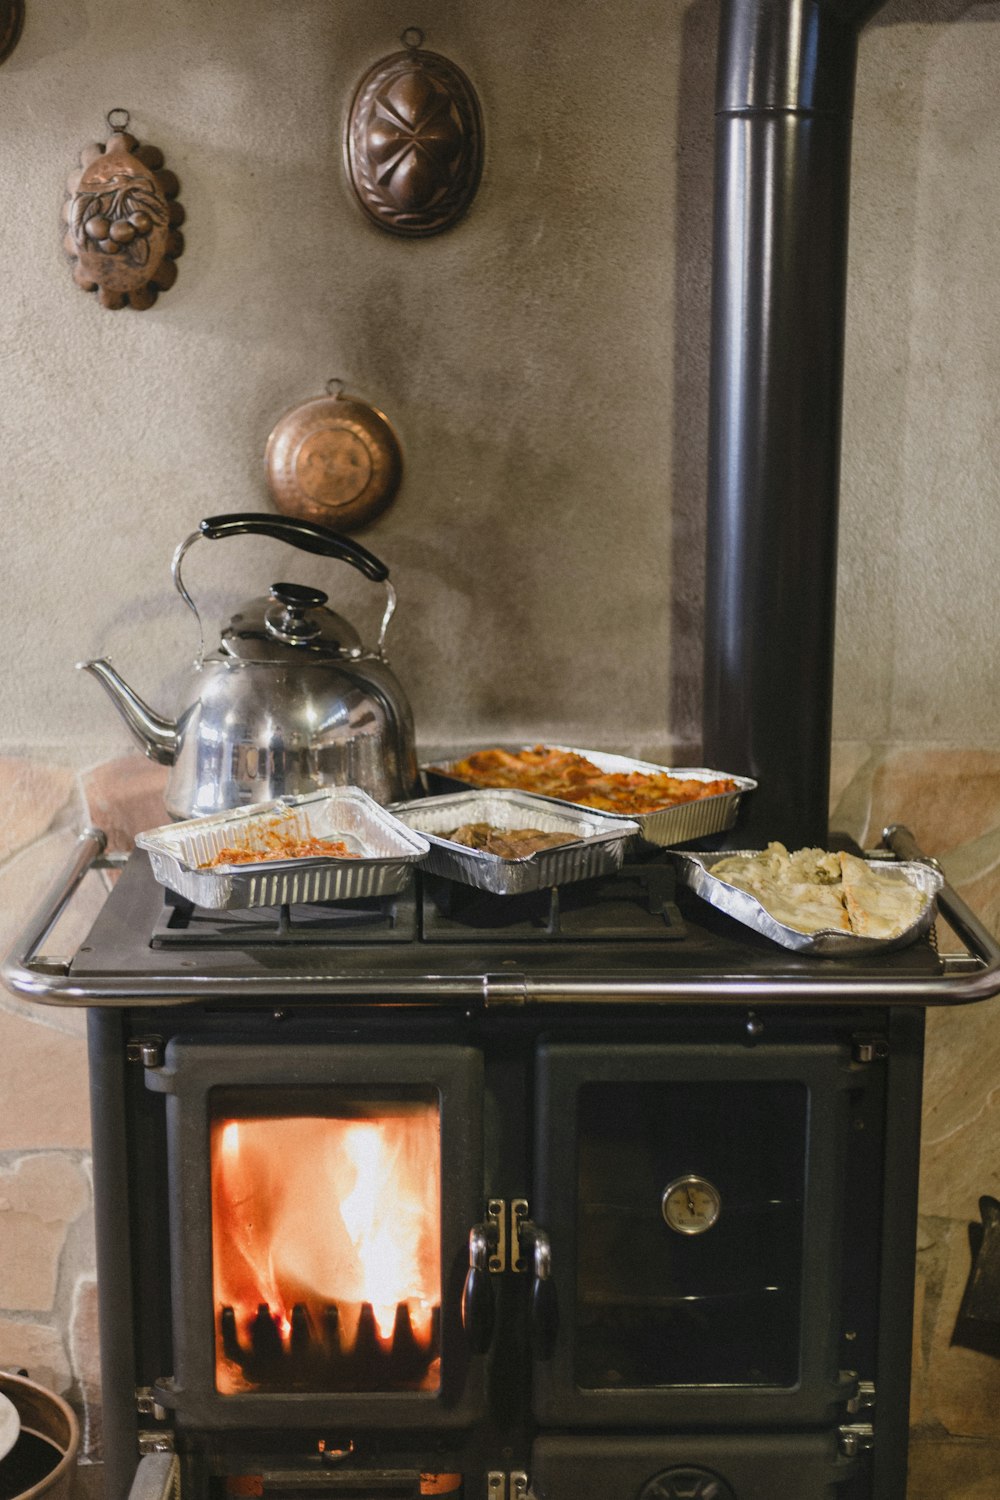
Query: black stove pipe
[784, 102]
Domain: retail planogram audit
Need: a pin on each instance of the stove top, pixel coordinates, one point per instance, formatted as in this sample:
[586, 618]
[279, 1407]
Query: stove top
[634, 938]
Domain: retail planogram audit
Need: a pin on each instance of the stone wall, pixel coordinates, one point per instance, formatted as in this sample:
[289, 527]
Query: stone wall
[47, 1293]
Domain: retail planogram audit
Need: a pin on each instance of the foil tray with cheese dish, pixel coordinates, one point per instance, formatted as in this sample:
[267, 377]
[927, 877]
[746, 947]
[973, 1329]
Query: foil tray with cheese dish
[831, 905]
[510, 842]
[337, 844]
[670, 805]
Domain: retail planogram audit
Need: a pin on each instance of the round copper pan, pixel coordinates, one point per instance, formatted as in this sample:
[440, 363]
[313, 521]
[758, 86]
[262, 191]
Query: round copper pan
[334, 460]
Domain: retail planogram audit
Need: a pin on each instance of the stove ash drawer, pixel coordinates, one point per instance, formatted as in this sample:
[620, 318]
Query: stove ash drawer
[700, 1203]
[806, 1466]
[320, 1203]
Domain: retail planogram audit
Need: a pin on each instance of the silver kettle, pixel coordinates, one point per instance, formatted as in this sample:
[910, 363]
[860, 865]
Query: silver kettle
[290, 700]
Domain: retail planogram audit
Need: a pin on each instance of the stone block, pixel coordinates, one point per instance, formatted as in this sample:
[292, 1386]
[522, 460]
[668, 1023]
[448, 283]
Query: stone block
[43, 1086]
[851, 767]
[40, 1196]
[947, 797]
[956, 1391]
[960, 1145]
[88, 1481]
[949, 1469]
[32, 793]
[37, 1348]
[125, 796]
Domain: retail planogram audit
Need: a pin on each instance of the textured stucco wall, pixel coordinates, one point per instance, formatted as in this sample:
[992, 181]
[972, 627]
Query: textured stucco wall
[919, 650]
[544, 363]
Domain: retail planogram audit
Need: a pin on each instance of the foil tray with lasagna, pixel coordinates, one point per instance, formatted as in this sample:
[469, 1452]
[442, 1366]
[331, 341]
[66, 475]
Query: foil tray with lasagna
[680, 823]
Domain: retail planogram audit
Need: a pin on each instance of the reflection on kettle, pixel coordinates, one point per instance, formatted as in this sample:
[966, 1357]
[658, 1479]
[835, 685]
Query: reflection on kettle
[289, 701]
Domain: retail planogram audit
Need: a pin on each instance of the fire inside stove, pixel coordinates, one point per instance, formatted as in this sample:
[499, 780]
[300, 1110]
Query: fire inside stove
[326, 1248]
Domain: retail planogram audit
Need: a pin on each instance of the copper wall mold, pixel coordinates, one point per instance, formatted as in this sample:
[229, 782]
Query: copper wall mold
[11, 23]
[123, 217]
[414, 142]
[334, 460]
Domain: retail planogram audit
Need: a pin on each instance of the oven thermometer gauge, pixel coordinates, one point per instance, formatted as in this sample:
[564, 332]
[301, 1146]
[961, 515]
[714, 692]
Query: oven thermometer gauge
[691, 1204]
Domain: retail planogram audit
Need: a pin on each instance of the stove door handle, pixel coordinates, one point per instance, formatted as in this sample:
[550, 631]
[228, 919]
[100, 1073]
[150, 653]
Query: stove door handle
[478, 1303]
[544, 1301]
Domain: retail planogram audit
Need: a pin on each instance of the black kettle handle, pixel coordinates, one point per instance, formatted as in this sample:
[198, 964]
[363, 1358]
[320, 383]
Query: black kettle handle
[306, 535]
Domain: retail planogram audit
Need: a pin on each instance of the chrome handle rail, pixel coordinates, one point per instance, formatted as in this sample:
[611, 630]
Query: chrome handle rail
[90, 845]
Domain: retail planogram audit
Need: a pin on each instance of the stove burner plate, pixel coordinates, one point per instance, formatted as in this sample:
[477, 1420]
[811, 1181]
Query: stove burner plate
[637, 902]
[380, 919]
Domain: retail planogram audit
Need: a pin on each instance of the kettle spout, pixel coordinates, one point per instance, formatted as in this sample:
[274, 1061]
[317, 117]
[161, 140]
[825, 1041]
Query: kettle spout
[158, 737]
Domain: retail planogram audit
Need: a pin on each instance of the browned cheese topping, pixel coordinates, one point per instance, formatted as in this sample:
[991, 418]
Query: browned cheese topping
[573, 778]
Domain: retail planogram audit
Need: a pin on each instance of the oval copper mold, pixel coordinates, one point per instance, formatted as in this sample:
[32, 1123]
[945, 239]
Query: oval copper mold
[414, 143]
[122, 215]
[334, 460]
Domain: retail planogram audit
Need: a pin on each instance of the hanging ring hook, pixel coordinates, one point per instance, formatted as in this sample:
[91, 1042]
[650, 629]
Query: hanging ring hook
[412, 38]
[122, 125]
[334, 386]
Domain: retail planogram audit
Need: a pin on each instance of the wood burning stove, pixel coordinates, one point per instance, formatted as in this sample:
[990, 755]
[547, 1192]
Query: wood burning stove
[492, 1210]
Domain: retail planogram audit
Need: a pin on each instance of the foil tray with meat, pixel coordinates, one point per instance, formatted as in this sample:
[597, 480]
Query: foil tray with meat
[784, 914]
[375, 852]
[671, 805]
[587, 843]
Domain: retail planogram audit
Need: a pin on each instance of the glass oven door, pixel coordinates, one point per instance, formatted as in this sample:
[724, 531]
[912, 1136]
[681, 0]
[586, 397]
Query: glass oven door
[695, 1199]
[321, 1198]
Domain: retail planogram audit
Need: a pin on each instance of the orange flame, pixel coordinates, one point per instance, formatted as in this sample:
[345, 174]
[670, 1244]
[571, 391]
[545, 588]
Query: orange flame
[324, 1212]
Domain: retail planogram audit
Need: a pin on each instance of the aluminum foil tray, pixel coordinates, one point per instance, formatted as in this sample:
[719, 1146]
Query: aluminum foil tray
[667, 825]
[599, 843]
[386, 849]
[696, 871]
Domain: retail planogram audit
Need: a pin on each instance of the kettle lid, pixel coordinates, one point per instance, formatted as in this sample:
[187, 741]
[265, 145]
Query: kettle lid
[292, 622]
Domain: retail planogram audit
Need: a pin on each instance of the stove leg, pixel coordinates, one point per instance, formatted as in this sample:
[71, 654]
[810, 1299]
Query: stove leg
[899, 1252]
[106, 1045]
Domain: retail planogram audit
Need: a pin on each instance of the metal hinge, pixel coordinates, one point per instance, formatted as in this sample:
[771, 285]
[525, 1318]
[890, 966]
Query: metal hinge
[496, 1219]
[147, 1050]
[147, 1405]
[855, 1437]
[160, 1440]
[512, 1486]
[863, 1398]
[869, 1049]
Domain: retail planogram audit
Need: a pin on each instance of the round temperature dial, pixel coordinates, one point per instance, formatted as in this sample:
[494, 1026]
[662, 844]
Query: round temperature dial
[691, 1204]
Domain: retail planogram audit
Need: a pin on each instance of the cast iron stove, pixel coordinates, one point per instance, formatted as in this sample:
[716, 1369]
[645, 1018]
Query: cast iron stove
[622, 1162]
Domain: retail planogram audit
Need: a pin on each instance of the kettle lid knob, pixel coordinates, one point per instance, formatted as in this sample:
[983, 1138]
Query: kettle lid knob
[290, 623]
